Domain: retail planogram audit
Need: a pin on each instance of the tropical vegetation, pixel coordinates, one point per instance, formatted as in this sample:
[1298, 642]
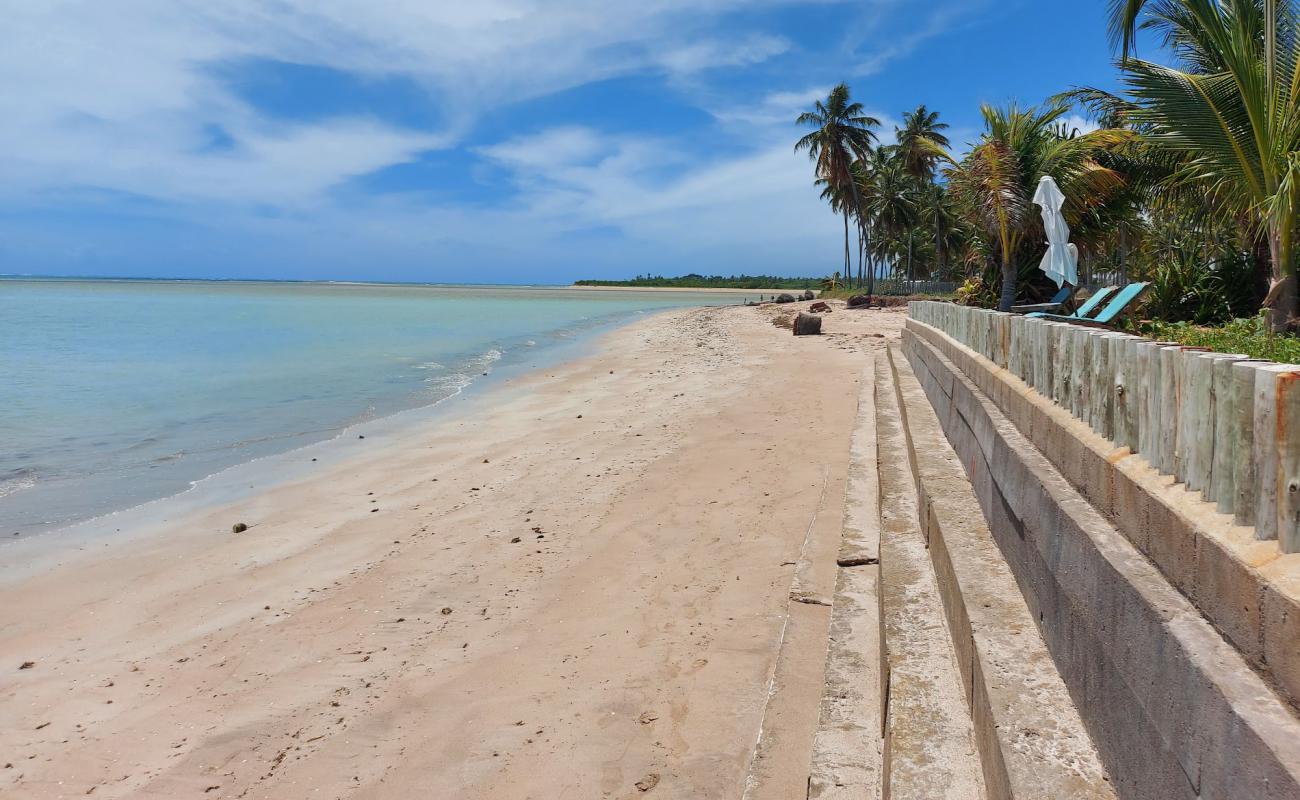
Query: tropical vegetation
[1189, 177]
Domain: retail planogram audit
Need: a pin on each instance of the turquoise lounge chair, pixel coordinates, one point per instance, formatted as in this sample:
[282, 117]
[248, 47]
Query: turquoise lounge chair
[1055, 304]
[1083, 311]
[1113, 310]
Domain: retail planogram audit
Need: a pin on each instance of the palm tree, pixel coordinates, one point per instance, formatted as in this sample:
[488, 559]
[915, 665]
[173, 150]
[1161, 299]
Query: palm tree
[994, 184]
[921, 133]
[843, 133]
[1230, 114]
[893, 202]
[918, 141]
[841, 203]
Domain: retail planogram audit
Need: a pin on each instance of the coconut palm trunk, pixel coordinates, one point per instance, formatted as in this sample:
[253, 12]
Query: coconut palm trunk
[857, 205]
[938, 246]
[848, 262]
[1281, 299]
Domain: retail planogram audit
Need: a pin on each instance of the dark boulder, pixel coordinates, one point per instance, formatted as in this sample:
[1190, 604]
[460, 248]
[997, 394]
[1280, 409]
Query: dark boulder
[859, 301]
[785, 298]
[807, 325]
[819, 308]
[808, 295]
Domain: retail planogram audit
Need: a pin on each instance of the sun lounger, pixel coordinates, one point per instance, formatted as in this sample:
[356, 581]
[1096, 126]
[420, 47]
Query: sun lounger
[1105, 318]
[1100, 296]
[1057, 302]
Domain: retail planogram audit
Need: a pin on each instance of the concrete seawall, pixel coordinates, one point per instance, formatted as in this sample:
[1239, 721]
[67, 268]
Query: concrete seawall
[1178, 651]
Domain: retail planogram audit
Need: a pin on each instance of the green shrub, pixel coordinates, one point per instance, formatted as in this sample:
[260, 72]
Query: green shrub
[1248, 336]
[1185, 288]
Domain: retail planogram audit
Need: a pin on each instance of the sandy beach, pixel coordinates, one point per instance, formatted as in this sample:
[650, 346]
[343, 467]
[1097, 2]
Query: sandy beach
[576, 584]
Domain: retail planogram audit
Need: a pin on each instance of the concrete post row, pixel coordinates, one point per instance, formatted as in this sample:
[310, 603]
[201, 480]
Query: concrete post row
[1226, 426]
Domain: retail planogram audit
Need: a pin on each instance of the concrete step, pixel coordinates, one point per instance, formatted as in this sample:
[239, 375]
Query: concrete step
[1173, 706]
[846, 761]
[929, 735]
[784, 744]
[1030, 738]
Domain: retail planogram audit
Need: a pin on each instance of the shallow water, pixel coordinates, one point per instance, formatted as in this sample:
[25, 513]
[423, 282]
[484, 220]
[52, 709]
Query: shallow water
[113, 393]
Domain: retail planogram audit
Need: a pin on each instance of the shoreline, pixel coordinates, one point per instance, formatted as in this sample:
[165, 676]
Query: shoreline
[417, 615]
[28, 553]
[564, 346]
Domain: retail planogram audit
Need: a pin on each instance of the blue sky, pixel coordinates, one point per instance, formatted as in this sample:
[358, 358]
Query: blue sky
[494, 141]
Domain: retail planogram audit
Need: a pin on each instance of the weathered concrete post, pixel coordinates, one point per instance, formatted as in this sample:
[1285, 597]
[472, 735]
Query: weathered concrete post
[1196, 437]
[1243, 429]
[1015, 340]
[1272, 388]
[1169, 405]
[1101, 385]
[1062, 364]
[1124, 420]
[1147, 366]
[1000, 338]
[1288, 459]
[1228, 448]
[986, 334]
[1042, 333]
[1080, 371]
[1122, 398]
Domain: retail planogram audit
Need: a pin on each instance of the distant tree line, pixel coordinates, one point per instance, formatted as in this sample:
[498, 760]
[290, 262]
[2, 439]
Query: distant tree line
[694, 281]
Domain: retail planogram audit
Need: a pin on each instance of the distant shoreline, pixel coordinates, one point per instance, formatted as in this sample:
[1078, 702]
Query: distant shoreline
[393, 284]
[708, 290]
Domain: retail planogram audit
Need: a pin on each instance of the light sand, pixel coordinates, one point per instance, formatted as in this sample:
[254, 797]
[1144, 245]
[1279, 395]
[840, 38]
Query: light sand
[403, 644]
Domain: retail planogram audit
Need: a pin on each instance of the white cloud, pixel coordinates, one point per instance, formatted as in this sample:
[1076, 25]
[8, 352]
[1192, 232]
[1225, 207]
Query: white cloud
[119, 95]
[708, 54]
[123, 96]
[1075, 122]
[557, 147]
[774, 108]
[764, 195]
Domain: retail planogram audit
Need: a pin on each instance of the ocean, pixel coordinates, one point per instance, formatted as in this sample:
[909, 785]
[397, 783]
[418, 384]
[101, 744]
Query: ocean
[117, 392]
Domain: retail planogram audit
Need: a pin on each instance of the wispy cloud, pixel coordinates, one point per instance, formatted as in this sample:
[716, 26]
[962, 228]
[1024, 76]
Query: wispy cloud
[122, 94]
[936, 22]
[134, 99]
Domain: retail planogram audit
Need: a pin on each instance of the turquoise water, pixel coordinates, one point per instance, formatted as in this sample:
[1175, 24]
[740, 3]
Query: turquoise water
[119, 392]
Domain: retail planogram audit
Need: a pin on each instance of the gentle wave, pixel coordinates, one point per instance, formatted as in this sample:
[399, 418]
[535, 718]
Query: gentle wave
[16, 481]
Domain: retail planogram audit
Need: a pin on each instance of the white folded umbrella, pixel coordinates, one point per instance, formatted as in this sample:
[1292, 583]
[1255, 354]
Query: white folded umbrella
[1061, 261]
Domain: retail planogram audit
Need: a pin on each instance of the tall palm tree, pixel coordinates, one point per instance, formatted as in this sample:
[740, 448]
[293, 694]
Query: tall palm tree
[842, 203]
[843, 132]
[893, 204]
[994, 184]
[918, 140]
[1230, 112]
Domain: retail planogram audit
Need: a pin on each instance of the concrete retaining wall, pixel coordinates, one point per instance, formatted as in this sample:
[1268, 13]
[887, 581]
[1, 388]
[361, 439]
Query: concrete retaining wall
[1225, 426]
[1246, 588]
[1174, 708]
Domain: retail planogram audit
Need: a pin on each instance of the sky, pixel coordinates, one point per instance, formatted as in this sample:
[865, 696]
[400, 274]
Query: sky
[493, 141]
